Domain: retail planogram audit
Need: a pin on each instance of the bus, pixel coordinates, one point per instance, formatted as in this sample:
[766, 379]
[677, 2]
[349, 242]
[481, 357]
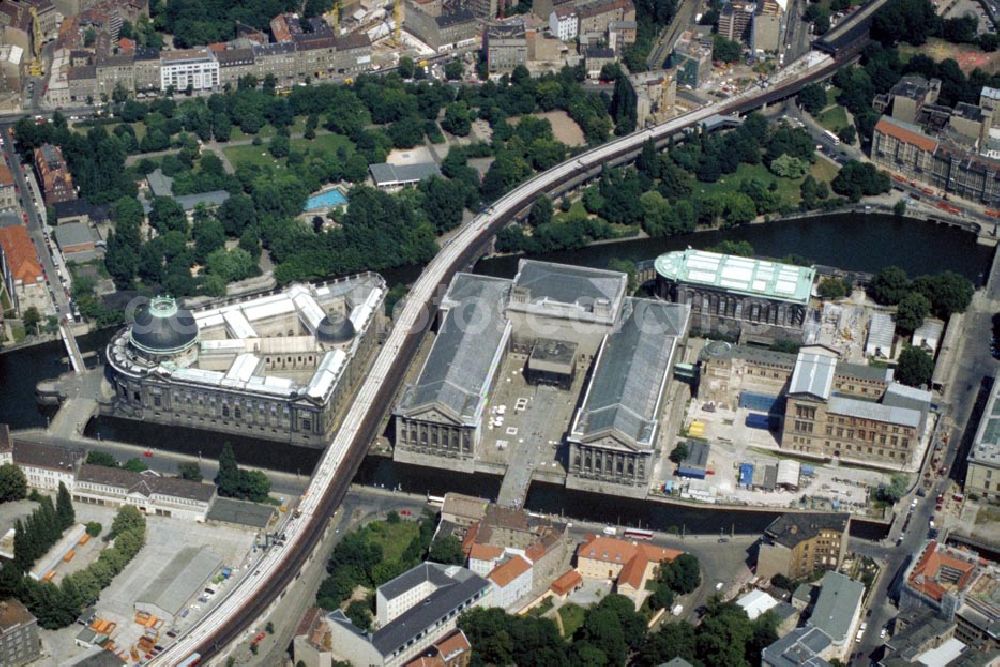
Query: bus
[638, 534]
[833, 137]
[435, 501]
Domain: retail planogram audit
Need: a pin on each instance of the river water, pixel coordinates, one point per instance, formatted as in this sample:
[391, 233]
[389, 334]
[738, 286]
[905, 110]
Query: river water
[861, 243]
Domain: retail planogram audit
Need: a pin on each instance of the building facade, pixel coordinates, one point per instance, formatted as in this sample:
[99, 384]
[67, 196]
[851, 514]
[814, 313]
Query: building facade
[8, 191]
[19, 641]
[278, 367]
[982, 474]
[564, 23]
[154, 495]
[506, 46]
[797, 545]
[53, 175]
[197, 69]
[22, 274]
[737, 296]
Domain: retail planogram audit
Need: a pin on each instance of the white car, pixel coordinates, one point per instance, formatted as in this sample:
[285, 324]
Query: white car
[884, 633]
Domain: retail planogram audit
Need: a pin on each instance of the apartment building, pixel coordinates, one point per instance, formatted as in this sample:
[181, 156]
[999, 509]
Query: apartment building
[197, 69]
[596, 16]
[234, 64]
[19, 641]
[564, 22]
[629, 564]
[44, 466]
[798, 544]
[442, 32]
[8, 189]
[53, 175]
[21, 271]
[506, 46]
[735, 20]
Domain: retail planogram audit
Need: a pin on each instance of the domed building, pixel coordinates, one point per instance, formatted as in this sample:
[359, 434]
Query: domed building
[161, 330]
[278, 366]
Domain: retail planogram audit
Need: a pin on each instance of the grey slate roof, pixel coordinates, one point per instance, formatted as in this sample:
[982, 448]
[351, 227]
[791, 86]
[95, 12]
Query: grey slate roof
[838, 599]
[180, 579]
[853, 407]
[210, 198]
[581, 286]
[145, 483]
[73, 233]
[813, 374]
[39, 455]
[461, 361]
[790, 529]
[624, 393]
[161, 184]
[456, 586]
[384, 173]
[799, 648]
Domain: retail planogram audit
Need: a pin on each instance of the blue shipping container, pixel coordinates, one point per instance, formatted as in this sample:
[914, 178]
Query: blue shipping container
[806, 470]
[746, 474]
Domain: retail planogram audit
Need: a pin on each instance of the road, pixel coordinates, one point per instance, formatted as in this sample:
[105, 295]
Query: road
[973, 363]
[35, 227]
[668, 37]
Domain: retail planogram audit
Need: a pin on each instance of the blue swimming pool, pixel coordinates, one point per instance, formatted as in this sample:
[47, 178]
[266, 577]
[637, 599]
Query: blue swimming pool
[332, 197]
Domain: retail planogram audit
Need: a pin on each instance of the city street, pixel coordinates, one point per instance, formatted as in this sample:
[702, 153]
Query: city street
[35, 226]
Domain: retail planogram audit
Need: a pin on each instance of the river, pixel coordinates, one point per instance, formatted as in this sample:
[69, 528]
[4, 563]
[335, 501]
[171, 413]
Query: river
[854, 242]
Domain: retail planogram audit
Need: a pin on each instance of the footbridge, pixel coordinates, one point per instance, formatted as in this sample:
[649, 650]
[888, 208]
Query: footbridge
[265, 581]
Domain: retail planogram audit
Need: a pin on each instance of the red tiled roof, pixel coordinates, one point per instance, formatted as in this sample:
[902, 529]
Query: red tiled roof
[485, 551]
[924, 576]
[126, 44]
[632, 556]
[6, 178]
[452, 645]
[886, 126]
[507, 572]
[566, 582]
[20, 253]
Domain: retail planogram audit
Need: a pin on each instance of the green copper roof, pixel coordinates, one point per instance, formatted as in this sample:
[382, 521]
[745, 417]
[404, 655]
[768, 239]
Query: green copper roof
[741, 275]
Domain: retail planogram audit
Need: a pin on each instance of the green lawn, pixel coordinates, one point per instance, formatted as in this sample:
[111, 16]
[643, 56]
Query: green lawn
[831, 95]
[393, 538]
[323, 143]
[788, 188]
[572, 618]
[833, 118]
[269, 131]
[139, 129]
[824, 170]
[252, 154]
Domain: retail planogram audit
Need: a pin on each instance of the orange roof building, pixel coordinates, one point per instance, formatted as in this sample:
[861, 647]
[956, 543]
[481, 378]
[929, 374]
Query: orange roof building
[8, 189]
[565, 584]
[940, 571]
[905, 132]
[512, 581]
[452, 650]
[629, 564]
[20, 263]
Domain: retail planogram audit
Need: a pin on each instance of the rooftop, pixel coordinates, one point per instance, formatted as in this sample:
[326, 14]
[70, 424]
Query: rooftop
[881, 332]
[73, 233]
[813, 374]
[834, 611]
[566, 582]
[37, 455]
[741, 275]
[509, 570]
[756, 602]
[180, 579]
[19, 253]
[576, 291]
[986, 445]
[385, 174]
[854, 407]
[791, 528]
[799, 648]
[940, 570]
[454, 587]
[13, 615]
[905, 132]
[465, 352]
[146, 484]
[632, 556]
[632, 368]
